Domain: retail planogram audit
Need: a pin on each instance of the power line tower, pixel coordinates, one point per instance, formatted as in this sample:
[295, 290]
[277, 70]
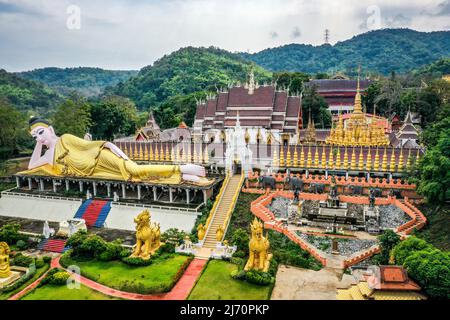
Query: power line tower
[327, 36]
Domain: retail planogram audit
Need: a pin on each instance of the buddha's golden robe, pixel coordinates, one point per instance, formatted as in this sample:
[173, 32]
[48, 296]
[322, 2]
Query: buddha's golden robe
[75, 157]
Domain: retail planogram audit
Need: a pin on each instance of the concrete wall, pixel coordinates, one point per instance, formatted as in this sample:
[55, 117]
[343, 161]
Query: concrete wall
[38, 208]
[122, 217]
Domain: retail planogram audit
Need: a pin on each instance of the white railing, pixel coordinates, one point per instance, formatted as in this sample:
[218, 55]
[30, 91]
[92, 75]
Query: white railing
[141, 205]
[28, 195]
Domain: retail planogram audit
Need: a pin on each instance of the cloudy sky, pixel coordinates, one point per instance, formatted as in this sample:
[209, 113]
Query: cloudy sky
[120, 34]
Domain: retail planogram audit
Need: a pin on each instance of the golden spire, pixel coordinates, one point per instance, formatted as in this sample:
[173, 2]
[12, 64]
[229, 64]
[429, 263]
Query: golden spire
[376, 164]
[302, 158]
[392, 162]
[156, 152]
[369, 160]
[309, 161]
[330, 159]
[189, 155]
[141, 153]
[346, 164]
[323, 160]
[358, 106]
[384, 162]
[125, 150]
[275, 158]
[195, 154]
[361, 160]
[151, 152]
[288, 157]
[295, 162]
[353, 162]
[408, 161]
[316, 157]
[338, 159]
[417, 158]
[146, 152]
[282, 156]
[401, 165]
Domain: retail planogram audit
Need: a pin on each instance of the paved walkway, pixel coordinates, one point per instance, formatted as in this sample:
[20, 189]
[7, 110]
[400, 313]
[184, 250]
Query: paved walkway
[179, 292]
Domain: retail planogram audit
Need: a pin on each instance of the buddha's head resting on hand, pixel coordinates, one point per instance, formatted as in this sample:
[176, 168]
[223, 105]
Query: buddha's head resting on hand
[42, 131]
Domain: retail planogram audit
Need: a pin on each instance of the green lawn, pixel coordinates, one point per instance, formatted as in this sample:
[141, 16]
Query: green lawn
[53, 292]
[217, 284]
[37, 275]
[158, 277]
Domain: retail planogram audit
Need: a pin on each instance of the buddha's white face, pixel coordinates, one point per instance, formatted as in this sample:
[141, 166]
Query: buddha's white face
[43, 135]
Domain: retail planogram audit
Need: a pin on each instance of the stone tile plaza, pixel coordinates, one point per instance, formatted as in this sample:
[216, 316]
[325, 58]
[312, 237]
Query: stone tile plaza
[299, 172]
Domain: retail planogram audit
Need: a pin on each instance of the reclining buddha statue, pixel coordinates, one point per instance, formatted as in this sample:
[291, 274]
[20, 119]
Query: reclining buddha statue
[71, 156]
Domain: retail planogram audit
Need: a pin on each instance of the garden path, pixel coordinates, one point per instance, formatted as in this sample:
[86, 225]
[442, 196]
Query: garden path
[179, 292]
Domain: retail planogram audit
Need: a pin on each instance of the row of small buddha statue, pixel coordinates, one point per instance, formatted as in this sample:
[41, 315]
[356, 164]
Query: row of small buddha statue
[146, 152]
[335, 161]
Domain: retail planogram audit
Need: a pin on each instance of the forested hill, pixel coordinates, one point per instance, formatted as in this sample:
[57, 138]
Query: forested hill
[87, 81]
[27, 95]
[186, 71]
[382, 51]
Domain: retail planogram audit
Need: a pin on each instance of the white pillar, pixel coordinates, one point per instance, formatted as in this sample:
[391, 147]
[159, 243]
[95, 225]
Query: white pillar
[108, 188]
[205, 197]
[139, 192]
[18, 182]
[326, 174]
[29, 184]
[155, 194]
[81, 185]
[170, 195]
[67, 185]
[54, 185]
[346, 175]
[188, 196]
[123, 191]
[41, 184]
[94, 188]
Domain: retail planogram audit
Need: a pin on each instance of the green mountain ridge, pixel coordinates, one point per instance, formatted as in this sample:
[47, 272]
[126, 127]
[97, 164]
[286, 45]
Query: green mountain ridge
[87, 81]
[27, 95]
[378, 51]
[186, 71]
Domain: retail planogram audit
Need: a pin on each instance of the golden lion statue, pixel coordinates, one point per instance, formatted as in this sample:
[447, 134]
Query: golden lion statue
[4, 260]
[148, 236]
[259, 256]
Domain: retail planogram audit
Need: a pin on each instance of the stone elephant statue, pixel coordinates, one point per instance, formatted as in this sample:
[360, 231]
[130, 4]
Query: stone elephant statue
[267, 182]
[316, 187]
[294, 183]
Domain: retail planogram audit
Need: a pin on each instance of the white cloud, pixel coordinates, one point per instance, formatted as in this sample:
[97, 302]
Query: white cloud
[119, 34]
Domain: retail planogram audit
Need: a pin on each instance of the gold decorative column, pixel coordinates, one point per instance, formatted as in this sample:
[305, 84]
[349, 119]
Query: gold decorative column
[376, 164]
[392, 162]
[323, 159]
[302, 158]
[338, 158]
[408, 161]
[152, 156]
[316, 157]
[281, 156]
[288, 157]
[361, 159]
[401, 166]
[330, 158]
[295, 162]
[275, 162]
[5, 270]
[156, 152]
[309, 160]
[384, 162]
[346, 164]
[369, 160]
[353, 162]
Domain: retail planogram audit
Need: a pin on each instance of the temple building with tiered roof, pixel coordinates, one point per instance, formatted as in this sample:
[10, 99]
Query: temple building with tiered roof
[266, 114]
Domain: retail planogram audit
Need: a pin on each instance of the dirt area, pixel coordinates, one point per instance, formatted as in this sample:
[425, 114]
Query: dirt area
[303, 284]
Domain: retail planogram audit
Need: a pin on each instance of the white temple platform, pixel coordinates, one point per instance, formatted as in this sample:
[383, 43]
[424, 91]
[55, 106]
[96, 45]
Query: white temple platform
[122, 217]
[38, 207]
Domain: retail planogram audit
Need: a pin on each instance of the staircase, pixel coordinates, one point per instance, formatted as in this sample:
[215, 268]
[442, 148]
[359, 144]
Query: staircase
[220, 215]
[94, 212]
[53, 245]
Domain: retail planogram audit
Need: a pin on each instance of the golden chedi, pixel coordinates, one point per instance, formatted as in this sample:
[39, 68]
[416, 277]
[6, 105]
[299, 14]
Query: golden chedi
[358, 129]
[259, 256]
[5, 271]
[71, 156]
[148, 236]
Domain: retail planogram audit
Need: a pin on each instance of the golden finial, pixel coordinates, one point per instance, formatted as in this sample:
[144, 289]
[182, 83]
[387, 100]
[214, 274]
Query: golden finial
[369, 160]
[309, 160]
[295, 162]
[346, 164]
[288, 157]
[275, 162]
[302, 157]
[316, 157]
[323, 158]
[417, 157]
[330, 158]
[384, 162]
[392, 162]
[156, 152]
[281, 156]
[401, 165]
[408, 161]
[376, 164]
[338, 164]
[361, 160]
[353, 162]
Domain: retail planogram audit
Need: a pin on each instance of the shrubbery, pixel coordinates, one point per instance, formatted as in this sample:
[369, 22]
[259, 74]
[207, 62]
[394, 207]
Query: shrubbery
[259, 277]
[9, 233]
[136, 261]
[55, 276]
[427, 265]
[22, 261]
